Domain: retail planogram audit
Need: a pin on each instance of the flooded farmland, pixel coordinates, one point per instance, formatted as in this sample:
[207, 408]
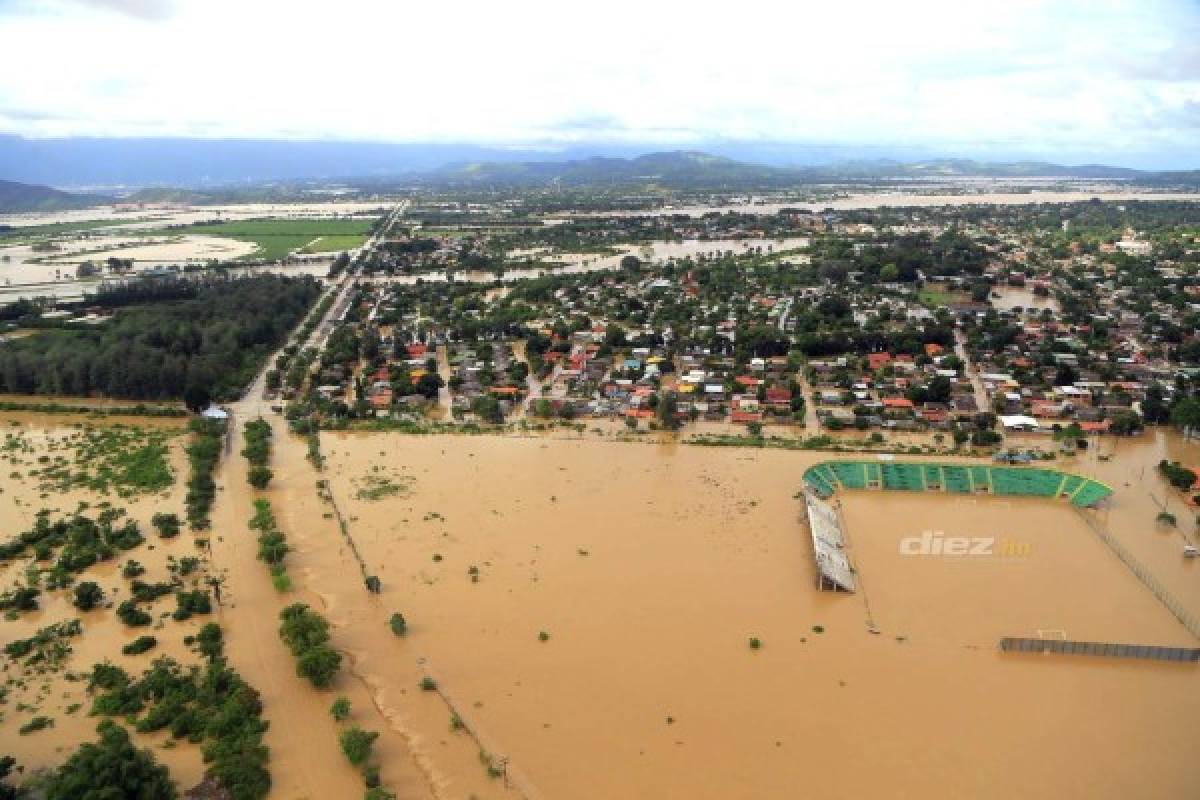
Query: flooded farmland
[52, 692]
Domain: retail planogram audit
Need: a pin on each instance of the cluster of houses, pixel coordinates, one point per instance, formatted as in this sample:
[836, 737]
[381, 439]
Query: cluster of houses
[682, 325]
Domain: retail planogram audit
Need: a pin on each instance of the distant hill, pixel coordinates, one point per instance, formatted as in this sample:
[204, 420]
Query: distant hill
[17, 197]
[689, 170]
[673, 170]
[963, 167]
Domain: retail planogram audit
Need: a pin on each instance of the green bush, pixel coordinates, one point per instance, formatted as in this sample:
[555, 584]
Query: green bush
[87, 595]
[356, 744]
[189, 603]
[24, 598]
[319, 665]
[129, 613]
[306, 633]
[34, 725]
[340, 710]
[398, 624]
[167, 525]
[259, 477]
[139, 645]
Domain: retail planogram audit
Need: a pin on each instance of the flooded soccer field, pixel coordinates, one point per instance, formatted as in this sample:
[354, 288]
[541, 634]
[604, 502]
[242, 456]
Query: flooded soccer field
[650, 567]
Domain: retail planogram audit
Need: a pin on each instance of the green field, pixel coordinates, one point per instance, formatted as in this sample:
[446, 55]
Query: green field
[26, 233]
[335, 244]
[940, 297]
[278, 238]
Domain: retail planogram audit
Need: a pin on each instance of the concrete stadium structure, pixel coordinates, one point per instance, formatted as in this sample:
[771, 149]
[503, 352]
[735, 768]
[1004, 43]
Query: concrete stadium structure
[827, 477]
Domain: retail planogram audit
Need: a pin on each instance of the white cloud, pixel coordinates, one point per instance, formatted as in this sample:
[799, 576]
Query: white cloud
[1074, 75]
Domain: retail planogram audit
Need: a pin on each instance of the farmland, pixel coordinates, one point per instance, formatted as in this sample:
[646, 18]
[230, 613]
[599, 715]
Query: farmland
[279, 238]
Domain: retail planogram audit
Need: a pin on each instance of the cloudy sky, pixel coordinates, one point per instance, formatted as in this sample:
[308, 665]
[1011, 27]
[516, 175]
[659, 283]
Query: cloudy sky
[1077, 80]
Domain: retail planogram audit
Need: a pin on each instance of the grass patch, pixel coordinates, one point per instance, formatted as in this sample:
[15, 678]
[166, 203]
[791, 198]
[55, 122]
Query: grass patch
[335, 243]
[279, 238]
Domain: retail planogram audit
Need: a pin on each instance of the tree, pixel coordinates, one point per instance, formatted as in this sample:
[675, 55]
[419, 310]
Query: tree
[88, 595]
[1069, 435]
[1154, 407]
[398, 624]
[631, 263]
[667, 406]
[166, 524]
[319, 665]
[429, 384]
[8, 792]
[196, 397]
[356, 744]
[340, 710]
[1065, 375]
[109, 769]
[1186, 415]
[1125, 423]
[259, 477]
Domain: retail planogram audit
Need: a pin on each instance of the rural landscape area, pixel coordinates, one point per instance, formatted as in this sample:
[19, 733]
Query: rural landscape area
[670, 462]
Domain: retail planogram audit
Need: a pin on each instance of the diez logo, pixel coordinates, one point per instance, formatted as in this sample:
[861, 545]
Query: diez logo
[937, 543]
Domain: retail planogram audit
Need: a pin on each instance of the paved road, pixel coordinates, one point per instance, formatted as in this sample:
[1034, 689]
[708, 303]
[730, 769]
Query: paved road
[254, 402]
[960, 350]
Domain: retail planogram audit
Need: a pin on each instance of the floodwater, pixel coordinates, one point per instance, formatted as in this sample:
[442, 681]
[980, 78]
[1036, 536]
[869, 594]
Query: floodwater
[51, 694]
[904, 199]
[27, 266]
[649, 567]
[576, 263]
[64, 286]
[181, 215]
[1011, 297]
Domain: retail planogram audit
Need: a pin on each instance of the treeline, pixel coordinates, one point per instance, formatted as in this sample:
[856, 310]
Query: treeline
[258, 452]
[272, 544]
[203, 453]
[191, 339]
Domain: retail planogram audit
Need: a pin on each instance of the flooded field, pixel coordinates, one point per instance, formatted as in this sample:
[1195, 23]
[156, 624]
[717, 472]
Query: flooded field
[1007, 298]
[902, 199]
[586, 618]
[649, 567]
[574, 263]
[51, 692]
[184, 214]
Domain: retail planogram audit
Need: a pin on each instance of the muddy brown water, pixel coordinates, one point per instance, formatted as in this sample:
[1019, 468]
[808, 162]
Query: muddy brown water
[649, 567]
[51, 694]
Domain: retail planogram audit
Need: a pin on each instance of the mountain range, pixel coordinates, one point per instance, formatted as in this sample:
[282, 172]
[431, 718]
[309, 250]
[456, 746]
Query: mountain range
[31, 197]
[675, 170]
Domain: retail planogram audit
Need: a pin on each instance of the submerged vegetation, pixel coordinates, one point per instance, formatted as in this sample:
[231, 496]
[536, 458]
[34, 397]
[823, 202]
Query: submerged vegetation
[306, 633]
[272, 544]
[258, 452]
[130, 460]
[78, 542]
[203, 454]
[208, 704]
